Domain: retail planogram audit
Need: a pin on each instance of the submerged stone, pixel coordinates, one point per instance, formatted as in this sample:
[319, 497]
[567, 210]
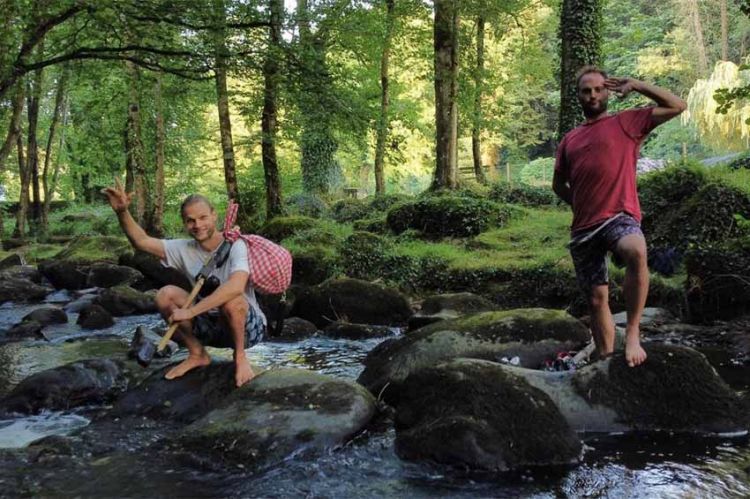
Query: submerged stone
[280, 413]
[473, 413]
[533, 335]
[72, 385]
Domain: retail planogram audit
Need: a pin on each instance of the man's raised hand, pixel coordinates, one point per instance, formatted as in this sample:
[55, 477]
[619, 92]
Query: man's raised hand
[118, 199]
[621, 86]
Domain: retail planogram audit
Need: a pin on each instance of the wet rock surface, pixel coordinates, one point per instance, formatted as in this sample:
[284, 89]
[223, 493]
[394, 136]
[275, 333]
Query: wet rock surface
[46, 316]
[280, 413]
[124, 300]
[295, 329]
[71, 385]
[94, 317]
[475, 414]
[21, 290]
[153, 271]
[28, 272]
[346, 330]
[23, 331]
[352, 300]
[533, 335]
[63, 274]
[107, 275]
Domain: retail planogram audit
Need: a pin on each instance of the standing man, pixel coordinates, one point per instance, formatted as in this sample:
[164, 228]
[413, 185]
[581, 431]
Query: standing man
[227, 316]
[595, 172]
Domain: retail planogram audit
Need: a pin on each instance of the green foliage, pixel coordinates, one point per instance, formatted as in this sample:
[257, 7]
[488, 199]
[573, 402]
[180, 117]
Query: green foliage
[386, 201]
[348, 210]
[364, 255]
[741, 161]
[525, 195]
[280, 228]
[377, 225]
[308, 205]
[539, 171]
[448, 216]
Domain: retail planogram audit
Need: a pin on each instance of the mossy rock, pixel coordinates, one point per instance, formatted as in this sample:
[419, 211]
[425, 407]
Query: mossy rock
[281, 412]
[21, 290]
[72, 385]
[90, 249]
[718, 280]
[280, 228]
[533, 335]
[352, 300]
[522, 194]
[124, 300]
[383, 202]
[549, 286]
[364, 254]
[349, 210]
[676, 389]
[664, 191]
[376, 225]
[313, 264]
[472, 413]
[448, 216]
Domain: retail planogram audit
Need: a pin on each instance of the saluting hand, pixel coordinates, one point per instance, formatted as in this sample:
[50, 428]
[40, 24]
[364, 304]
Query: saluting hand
[620, 86]
[118, 199]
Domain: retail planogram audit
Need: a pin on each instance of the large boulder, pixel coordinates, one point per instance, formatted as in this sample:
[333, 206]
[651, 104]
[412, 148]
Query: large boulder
[475, 414]
[154, 271]
[72, 385]
[107, 275]
[29, 272]
[86, 250]
[351, 300]
[183, 399]
[15, 289]
[533, 335]
[124, 300]
[279, 414]
[64, 274]
[449, 306]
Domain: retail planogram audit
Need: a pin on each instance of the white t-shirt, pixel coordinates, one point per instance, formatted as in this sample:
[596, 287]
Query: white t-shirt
[188, 257]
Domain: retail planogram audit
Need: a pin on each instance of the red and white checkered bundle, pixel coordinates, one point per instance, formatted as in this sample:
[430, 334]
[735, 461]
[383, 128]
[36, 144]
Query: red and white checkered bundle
[270, 264]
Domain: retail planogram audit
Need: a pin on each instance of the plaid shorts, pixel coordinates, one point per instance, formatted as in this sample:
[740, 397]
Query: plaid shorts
[589, 248]
[211, 330]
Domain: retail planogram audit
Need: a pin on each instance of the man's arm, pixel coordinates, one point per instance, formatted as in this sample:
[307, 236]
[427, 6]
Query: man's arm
[561, 187]
[119, 200]
[668, 105]
[231, 289]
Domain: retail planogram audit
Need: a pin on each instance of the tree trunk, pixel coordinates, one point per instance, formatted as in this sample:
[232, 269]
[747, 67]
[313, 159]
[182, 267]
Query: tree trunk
[382, 131]
[580, 33]
[135, 162]
[23, 199]
[222, 102]
[155, 225]
[695, 18]
[724, 31]
[446, 86]
[476, 129]
[274, 204]
[14, 127]
[317, 144]
[32, 147]
[49, 185]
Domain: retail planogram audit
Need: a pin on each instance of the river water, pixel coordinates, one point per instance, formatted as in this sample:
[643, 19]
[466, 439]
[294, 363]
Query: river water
[133, 463]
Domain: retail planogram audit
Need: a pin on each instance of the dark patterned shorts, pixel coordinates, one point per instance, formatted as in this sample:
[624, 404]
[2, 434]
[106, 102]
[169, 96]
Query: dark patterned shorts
[211, 330]
[589, 251]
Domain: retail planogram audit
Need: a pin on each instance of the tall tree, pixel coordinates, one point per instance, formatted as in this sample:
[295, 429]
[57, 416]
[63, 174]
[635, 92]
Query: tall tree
[49, 184]
[724, 30]
[580, 36]
[476, 126]
[446, 91]
[383, 120]
[32, 149]
[274, 205]
[695, 19]
[155, 224]
[25, 177]
[222, 97]
[17, 105]
[135, 163]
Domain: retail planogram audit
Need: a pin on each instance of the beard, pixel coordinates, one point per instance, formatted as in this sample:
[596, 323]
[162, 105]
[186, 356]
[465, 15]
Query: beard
[592, 111]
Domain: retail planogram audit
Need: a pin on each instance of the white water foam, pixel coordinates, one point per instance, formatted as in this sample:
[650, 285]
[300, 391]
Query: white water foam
[20, 432]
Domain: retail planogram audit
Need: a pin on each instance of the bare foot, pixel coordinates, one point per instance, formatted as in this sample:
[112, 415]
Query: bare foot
[242, 373]
[634, 353]
[188, 364]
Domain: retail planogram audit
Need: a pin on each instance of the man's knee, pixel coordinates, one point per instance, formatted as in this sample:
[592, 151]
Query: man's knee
[236, 308]
[170, 296]
[632, 249]
[599, 297]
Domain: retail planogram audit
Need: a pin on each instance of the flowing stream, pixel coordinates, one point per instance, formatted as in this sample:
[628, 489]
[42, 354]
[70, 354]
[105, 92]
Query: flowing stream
[124, 465]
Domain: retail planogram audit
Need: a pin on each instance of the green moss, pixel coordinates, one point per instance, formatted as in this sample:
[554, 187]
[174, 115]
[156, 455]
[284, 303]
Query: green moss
[88, 249]
[675, 389]
[281, 228]
[326, 398]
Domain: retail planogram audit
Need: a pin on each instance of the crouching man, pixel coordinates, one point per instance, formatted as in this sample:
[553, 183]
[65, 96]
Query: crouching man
[227, 316]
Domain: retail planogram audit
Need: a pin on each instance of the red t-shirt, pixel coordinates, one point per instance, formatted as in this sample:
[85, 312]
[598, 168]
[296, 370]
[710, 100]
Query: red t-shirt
[598, 160]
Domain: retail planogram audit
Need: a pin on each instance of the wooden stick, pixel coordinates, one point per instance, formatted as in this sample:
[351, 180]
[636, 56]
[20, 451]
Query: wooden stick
[172, 328]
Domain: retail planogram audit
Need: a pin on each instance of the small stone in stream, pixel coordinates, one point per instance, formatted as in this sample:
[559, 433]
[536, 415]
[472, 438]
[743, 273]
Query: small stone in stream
[95, 317]
[143, 346]
[46, 316]
[25, 330]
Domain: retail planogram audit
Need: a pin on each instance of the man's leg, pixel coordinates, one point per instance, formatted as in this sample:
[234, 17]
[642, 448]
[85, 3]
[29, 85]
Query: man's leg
[168, 299]
[235, 313]
[632, 250]
[602, 325]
